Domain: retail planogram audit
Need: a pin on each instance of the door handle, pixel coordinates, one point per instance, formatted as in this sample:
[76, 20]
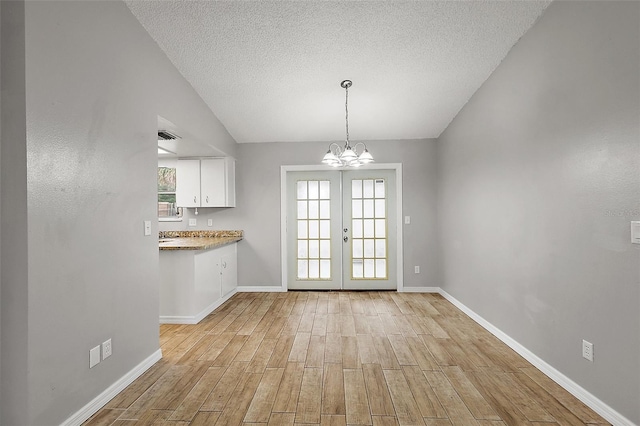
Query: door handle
[345, 239]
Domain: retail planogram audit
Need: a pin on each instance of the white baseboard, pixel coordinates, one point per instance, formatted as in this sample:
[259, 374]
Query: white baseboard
[420, 290]
[195, 319]
[572, 387]
[101, 400]
[260, 289]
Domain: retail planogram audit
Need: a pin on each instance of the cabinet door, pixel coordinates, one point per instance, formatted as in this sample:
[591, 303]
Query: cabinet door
[188, 183]
[229, 271]
[213, 182]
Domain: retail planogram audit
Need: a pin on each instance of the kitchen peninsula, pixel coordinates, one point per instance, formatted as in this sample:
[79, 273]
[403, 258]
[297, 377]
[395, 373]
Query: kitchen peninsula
[198, 272]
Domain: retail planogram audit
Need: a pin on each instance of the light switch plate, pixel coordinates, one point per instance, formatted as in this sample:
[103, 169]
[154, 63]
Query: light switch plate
[407, 220]
[635, 232]
[94, 356]
[147, 227]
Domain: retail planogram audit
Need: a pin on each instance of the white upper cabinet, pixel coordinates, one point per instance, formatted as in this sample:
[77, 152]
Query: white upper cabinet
[209, 182]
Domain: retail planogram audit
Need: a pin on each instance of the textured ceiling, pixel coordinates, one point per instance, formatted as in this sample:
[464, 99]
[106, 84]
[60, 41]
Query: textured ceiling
[271, 71]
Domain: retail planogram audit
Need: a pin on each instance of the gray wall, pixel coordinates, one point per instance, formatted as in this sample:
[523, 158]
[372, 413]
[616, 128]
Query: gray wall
[13, 223]
[258, 206]
[539, 176]
[78, 180]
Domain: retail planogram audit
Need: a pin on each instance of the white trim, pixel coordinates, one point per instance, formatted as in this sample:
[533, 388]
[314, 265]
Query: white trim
[283, 223]
[260, 289]
[569, 385]
[195, 319]
[101, 400]
[318, 167]
[399, 228]
[420, 290]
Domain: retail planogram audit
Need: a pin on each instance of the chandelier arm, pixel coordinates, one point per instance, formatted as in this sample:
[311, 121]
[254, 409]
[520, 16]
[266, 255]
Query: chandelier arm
[336, 147]
[356, 146]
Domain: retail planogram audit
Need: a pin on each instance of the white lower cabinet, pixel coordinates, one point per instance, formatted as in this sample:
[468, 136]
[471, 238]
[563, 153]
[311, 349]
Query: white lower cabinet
[193, 283]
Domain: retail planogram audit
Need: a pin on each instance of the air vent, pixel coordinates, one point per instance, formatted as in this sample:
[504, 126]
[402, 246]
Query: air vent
[164, 135]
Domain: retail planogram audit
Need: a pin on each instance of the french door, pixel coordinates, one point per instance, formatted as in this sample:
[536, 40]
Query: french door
[341, 230]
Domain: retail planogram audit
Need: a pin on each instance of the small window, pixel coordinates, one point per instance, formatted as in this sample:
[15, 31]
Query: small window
[167, 193]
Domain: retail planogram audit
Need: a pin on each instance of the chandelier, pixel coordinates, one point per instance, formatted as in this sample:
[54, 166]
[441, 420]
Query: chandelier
[347, 156]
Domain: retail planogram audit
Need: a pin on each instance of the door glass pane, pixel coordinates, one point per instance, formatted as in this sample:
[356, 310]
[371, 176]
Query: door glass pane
[313, 190]
[302, 249]
[357, 271]
[368, 208]
[369, 271]
[325, 249]
[314, 209]
[381, 231]
[356, 188]
[302, 190]
[380, 189]
[325, 209]
[325, 269]
[381, 268]
[356, 208]
[313, 235]
[380, 208]
[368, 228]
[314, 231]
[302, 209]
[325, 190]
[314, 269]
[356, 225]
[381, 249]
[325, 230]
[367, 191]
[314, 249]
[303, 269]
[357, 248]
[368, 248]
[302, 229]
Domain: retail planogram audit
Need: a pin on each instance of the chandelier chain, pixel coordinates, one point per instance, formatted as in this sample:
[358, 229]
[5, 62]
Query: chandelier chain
[346, 110]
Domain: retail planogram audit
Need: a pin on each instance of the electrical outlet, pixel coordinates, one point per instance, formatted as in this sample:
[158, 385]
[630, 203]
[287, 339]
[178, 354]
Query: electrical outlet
[209, 222]
[407, 220]
[192, 222]
[417, 269]
[94, 356]
[106, 349]
[587, 350]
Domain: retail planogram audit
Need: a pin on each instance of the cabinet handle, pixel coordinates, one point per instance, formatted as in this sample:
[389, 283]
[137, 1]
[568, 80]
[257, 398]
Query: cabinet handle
[207, 199]
[194, 198]
[224, 265]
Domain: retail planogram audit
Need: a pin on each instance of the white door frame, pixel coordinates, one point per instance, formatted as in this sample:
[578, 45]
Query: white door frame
[283, 212]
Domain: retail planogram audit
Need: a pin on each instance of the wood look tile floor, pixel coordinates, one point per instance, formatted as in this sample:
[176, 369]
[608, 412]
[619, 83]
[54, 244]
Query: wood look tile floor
[340, 358]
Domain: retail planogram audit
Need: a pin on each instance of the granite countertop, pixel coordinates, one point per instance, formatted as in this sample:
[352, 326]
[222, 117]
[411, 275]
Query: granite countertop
[196, 240]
